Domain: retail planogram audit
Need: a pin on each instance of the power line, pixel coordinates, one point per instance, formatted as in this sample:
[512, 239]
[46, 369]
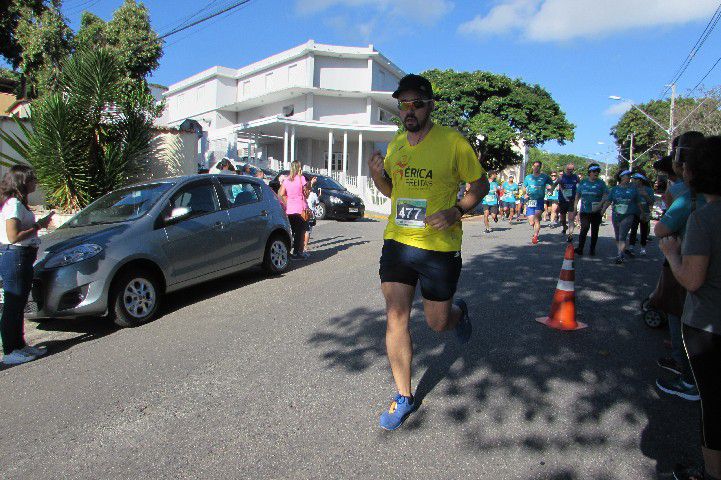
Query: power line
[206, 18]
[177, 23]
[710, 26]
[199, 29]
[707, 74]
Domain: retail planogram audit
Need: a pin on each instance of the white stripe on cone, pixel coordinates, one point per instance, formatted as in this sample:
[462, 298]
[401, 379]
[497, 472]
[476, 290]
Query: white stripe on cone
[565, 286]
[567, 265]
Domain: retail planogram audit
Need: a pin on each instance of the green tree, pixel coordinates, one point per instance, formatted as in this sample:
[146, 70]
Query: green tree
[129, 36]
[556, 162]
[494, 112]
[10, 13]
[91, 136]
[45, 41]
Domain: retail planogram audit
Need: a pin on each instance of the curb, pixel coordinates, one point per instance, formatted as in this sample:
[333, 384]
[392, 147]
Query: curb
[379, 216]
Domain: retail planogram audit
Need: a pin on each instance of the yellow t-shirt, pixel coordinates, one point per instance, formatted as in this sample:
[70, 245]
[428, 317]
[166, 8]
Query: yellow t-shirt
[425, 180]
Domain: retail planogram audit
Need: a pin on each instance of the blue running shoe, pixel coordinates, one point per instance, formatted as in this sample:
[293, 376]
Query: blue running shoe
[397, 413]
[465, 327]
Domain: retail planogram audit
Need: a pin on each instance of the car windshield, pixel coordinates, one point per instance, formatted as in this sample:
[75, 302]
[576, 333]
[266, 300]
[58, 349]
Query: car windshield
[329, 183]
[119, 206]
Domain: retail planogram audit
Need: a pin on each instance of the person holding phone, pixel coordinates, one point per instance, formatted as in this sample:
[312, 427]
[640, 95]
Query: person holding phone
[18, 251]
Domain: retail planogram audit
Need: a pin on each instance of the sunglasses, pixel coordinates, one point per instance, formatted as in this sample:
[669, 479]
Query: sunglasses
[404, 106]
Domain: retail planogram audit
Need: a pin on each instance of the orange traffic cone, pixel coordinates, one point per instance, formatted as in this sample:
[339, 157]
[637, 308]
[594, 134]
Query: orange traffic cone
[563, 308]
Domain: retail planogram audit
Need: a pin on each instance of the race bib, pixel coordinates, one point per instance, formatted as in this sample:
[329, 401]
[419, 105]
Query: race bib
[621, 208]
[490, 198]
[411, 212]
[568, 193]
[532, 203]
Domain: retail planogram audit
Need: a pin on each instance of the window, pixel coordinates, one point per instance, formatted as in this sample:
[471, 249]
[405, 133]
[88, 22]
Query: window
[246, 89]
[288, 110]
[239, 192]
[200, 98]
[385, 116]
[292, 72]
[336, 161]
[199, 198]
[268, 81]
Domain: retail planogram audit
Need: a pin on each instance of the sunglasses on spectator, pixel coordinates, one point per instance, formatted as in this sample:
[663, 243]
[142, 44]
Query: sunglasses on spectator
[416, 104]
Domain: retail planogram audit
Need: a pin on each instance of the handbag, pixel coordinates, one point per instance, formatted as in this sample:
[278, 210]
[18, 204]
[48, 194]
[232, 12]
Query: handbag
[306, 214]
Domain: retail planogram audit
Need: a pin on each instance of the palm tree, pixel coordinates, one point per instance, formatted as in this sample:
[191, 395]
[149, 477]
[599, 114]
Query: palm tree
[89, 137]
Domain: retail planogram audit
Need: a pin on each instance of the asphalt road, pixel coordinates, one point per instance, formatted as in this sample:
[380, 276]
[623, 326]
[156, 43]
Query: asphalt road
[274, 378]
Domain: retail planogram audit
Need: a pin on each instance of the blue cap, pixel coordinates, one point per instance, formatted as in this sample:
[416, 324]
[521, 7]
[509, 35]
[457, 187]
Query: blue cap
[639, 176]
[626, 172]
[595, 168]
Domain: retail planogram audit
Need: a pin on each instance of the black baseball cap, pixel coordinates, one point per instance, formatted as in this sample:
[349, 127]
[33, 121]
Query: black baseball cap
[414, 82]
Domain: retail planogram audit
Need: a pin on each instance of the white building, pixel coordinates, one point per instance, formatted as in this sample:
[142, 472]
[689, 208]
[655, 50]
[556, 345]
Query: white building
[327, 106]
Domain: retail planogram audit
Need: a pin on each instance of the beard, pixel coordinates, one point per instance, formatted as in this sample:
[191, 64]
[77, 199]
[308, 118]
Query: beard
[412, 124]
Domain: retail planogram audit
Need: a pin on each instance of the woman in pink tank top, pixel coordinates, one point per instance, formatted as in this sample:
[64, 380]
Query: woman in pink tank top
[294, 192]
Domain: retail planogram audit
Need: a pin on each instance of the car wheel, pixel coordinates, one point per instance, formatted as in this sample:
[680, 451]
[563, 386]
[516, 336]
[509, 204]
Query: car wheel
[275, 260]
[135, 298]
[320, 211]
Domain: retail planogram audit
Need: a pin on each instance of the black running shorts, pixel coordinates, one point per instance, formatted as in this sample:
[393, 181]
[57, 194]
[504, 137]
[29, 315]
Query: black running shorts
[438, 272]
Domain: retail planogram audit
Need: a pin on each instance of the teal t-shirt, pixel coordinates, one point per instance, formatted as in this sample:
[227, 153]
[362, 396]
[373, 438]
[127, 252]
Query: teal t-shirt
[552, 195]
[492, 197]
[536, 185]
[509, 192]
[677, 214]
[591, 194]
[624, 200]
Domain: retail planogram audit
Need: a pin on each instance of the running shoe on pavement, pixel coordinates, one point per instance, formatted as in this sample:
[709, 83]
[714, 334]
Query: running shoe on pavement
[534, 240]
[679, 388]
[396, 414]
[668, 363]
[488, 230]
[629, 253]
[464, 330]
[642, 252]
[16, 357]
[34, 351]
[619, 260]
[569, 238]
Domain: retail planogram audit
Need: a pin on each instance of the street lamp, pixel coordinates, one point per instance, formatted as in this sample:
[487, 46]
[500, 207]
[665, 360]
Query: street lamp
[667, 131]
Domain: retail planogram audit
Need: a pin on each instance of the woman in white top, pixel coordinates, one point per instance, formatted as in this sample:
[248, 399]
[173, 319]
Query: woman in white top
[19, 247]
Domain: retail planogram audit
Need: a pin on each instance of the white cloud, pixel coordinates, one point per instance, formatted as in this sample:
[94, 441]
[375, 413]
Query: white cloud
[618, 109]
[559, 20]
[427, 12]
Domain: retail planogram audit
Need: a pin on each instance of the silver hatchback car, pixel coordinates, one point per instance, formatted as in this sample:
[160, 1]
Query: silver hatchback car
[119, 255]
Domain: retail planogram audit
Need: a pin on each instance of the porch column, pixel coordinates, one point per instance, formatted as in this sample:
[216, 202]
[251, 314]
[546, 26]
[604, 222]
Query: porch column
[250, 145]
[285, 147]
[292, 145]
[345, 152]
[360, 153]
[330, 152]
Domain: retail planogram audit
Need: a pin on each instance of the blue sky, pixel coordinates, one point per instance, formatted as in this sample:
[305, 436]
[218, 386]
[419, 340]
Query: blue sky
[581, 51]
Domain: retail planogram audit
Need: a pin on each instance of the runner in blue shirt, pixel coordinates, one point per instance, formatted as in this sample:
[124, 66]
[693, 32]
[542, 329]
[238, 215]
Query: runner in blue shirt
[490, 201]
[642, 220]
[626, 203]
[567, 186]
[552, 202]
[536, 184]
[591, 193]
[508, 200]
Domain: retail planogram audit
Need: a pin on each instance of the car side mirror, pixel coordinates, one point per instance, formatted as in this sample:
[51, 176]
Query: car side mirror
[178, 214]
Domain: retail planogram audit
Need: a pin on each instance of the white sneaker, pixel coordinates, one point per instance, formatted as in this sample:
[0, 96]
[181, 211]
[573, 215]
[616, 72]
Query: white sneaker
[16, 357]
[642, 252]
[34, 351]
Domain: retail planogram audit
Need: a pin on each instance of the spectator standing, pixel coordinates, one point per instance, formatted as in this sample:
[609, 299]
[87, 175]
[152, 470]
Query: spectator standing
[312, 204]
[294, 192]
[18, 252]
[696, 264]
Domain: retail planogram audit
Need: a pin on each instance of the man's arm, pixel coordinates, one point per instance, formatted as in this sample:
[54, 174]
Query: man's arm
[381, 181]
[446, 218]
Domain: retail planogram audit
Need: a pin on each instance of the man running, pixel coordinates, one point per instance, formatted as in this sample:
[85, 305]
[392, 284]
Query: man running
[510, 190]
[552, 202]
[567, 186]
[490, 201]
[536, 184]
[422, 241]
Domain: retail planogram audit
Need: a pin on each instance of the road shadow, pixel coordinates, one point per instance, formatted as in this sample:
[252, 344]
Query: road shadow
[519, 385]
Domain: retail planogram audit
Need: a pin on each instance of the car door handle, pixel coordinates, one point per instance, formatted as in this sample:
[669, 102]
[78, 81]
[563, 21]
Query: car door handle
[264, 213]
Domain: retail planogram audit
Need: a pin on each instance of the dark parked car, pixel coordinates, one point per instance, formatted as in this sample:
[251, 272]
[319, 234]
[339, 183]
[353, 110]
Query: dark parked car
[334, 200]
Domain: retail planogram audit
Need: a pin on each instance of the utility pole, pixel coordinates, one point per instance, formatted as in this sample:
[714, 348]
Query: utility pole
[630, 153]
[670, 120]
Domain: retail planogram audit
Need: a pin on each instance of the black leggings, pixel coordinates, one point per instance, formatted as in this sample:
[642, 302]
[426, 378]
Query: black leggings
[299, 227]
[645, 229]
[592, 220]
[704, 354]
